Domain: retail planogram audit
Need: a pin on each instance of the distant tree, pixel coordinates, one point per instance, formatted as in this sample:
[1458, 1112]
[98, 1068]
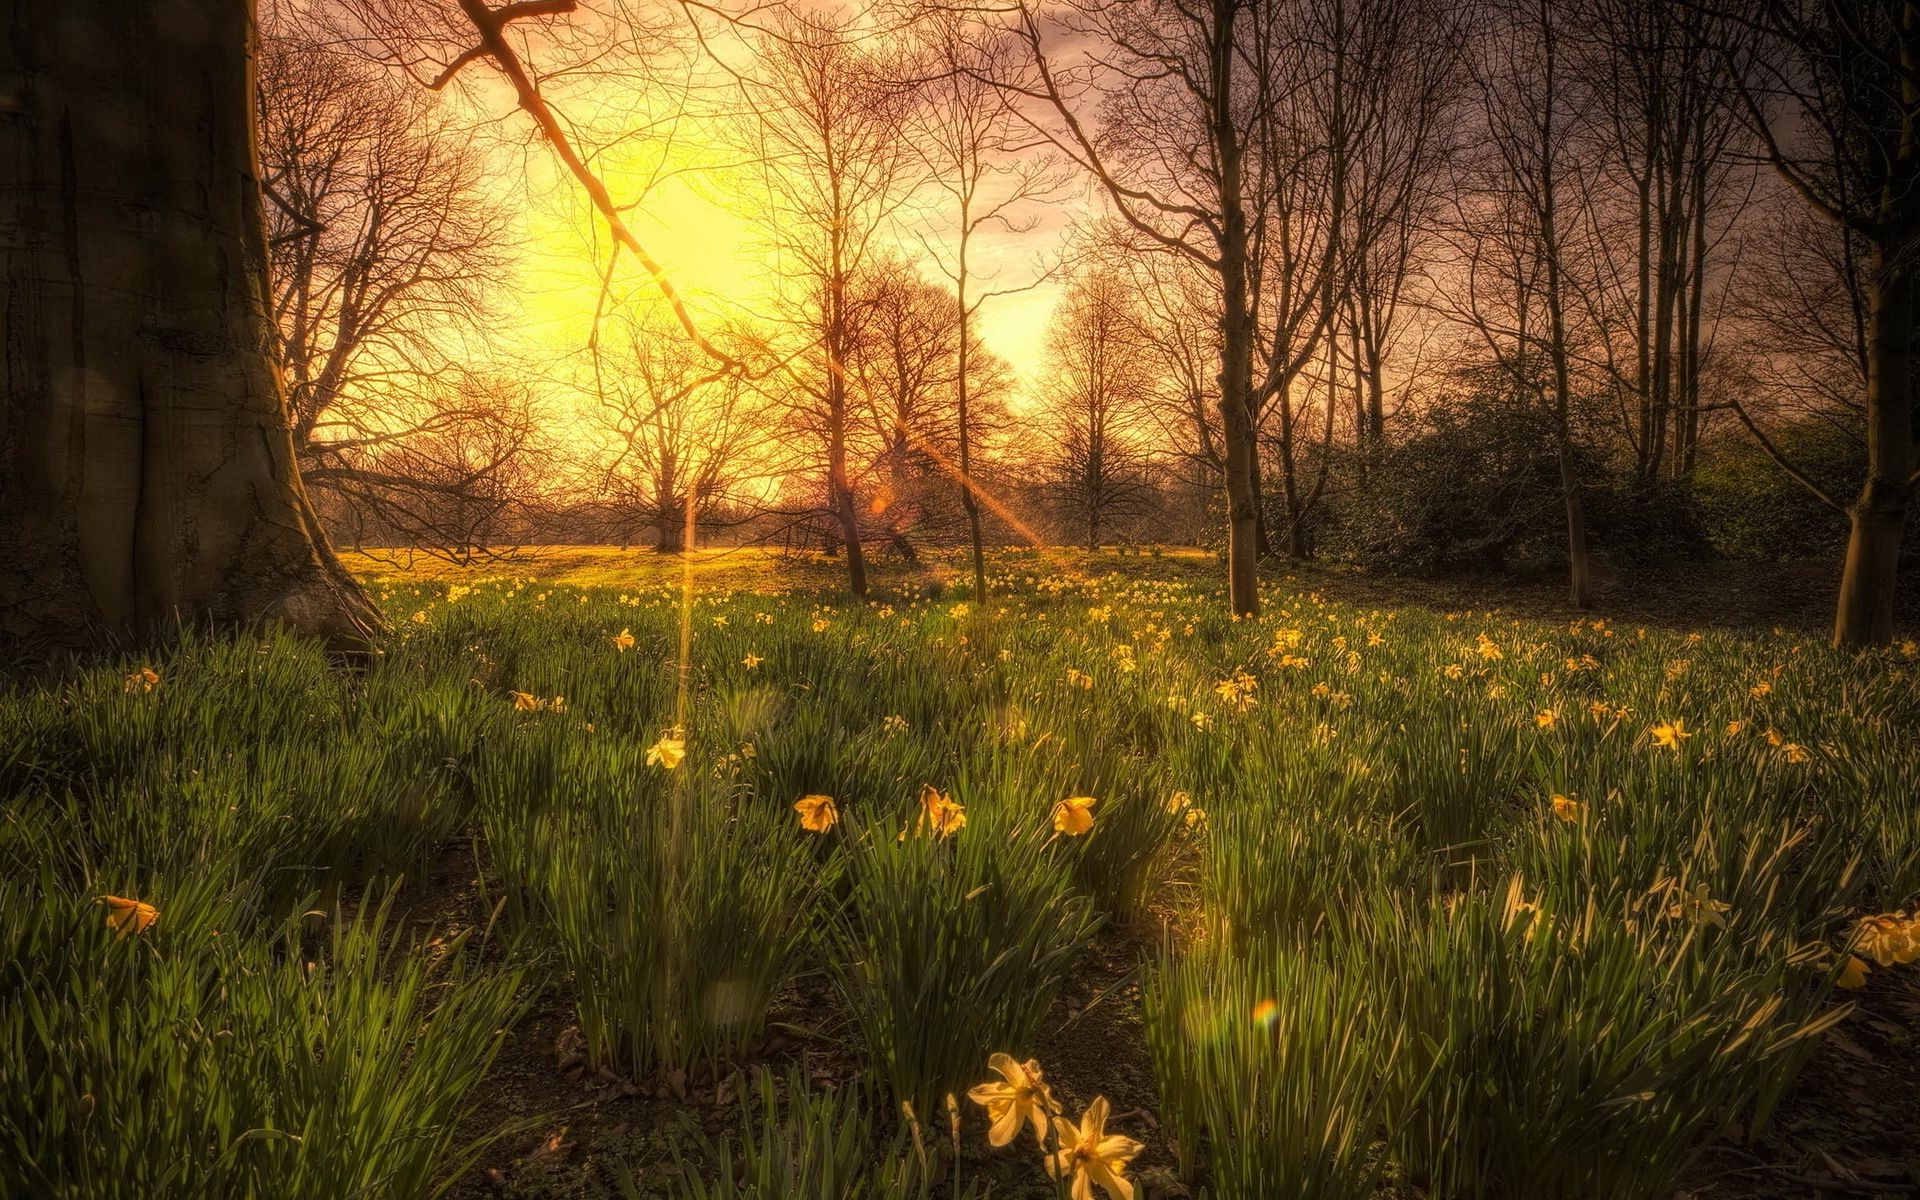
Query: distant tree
[1513, 234]
[823, 124]
[1092, 406]
[991, 177]
[907, 357]
[147, 471]
[1655, 102]
[383, 244]
[1164, 115]
[678, 437]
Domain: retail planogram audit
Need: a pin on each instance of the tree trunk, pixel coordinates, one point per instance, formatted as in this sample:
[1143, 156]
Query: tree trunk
[1864, 614]
[147, 476]
[968, 500]
[671, 525]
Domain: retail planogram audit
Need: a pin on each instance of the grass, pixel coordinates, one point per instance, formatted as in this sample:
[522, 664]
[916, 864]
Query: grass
[1434, 905]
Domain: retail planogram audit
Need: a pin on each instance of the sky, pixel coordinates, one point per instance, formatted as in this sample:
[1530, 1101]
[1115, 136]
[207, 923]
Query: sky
[703, 229]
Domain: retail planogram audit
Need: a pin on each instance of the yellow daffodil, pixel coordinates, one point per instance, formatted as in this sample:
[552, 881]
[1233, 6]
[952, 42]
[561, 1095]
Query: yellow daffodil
[1670, 734]
[419, 618]
[1089, 1155]
[1889, 938]
[623, 641]
[751, 661]
[144, 680]
[1074, 815]
[1546, 718]
[126, 916]
[669, 751]
[1853, 975]
[1567, 809]
[1022, 1098]
[818, 814]
[940, 813]
[525, 701]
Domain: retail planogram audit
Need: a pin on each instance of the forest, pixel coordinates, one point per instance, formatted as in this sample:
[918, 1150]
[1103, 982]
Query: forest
[721, 599]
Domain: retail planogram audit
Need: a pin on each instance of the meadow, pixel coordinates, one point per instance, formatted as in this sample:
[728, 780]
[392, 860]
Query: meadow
[713, 883]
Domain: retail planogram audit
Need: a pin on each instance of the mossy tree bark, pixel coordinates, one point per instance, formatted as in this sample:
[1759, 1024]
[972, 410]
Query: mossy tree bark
[147, 476]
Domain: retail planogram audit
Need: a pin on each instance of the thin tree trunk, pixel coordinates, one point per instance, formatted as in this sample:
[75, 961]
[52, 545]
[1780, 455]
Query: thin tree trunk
[839, 483]
[1579, 559]
[1244, 533]
[147, 476]
[968, 500]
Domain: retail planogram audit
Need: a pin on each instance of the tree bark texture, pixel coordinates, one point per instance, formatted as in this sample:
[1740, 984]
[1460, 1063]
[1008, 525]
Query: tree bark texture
[147, 476]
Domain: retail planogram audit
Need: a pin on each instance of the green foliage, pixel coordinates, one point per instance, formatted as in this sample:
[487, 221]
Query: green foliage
[200, 1058]
[1364, 833]
[811, 1145]
[952, 948]
[1753, 509]
[1274, 1067]
[675, 903]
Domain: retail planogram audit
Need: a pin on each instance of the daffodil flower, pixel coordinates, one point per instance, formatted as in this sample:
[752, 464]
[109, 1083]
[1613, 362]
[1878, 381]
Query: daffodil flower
[1022, 1098]
[126, 916]
[818, 814]
[1089, 1155]
[1853, 975]
[1074, 816]
[623, 641]
[1889, 939]
[944, 815]
[1670, 734]
[668, 751]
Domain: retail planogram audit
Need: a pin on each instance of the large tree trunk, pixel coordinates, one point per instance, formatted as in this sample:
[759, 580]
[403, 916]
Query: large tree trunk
[147, 477]
[1864, 615]
[670, 527]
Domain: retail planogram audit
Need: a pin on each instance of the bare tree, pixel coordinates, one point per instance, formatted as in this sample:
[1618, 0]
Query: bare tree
[984, 162]
[1512, 234]
[147, 475]
[1657, 107]
[678, 440]
[824, 125]
[1092, 406]
[1161, 107]
[906, 361]
[1832, 90]
[383, 244]
[1413, 101]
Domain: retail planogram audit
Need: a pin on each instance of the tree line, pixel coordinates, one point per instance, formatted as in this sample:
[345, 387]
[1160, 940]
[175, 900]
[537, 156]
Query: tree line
[1424, 281]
